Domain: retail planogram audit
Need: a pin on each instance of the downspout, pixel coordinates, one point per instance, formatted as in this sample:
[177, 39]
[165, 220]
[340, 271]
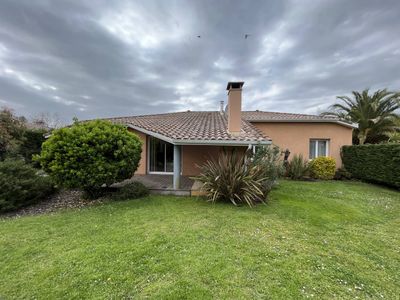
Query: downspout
[177, 167]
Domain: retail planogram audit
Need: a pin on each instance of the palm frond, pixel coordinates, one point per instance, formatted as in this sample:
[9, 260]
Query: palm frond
[375, 114]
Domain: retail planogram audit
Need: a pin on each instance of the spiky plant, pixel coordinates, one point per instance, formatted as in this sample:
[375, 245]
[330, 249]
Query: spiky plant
[298, 167]
[394, 137]
[375, 114]
[231, 178]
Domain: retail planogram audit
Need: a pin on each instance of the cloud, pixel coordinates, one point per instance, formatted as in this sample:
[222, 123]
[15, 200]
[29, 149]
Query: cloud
[122, 58]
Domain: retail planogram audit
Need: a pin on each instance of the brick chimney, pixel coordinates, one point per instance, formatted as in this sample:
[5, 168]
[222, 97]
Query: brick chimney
[234, 107]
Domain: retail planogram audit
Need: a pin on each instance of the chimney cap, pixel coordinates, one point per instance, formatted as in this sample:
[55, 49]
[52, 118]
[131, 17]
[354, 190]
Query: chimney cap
[234, 85]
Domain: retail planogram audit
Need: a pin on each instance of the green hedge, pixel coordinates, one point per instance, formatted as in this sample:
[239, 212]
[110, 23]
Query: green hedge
[378, 163]
[22, 185]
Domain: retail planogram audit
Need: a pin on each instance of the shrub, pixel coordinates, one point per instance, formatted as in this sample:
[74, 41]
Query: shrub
[130, 191]
[232, 178]
[11, 133]
[375, 163]
[32, 144]
[20, 185]
[298, 167]
[342, 174]
[323, 167]
[268, 160]
[91, 155]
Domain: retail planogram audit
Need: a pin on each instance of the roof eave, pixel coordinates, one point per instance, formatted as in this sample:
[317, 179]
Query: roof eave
[151, 133]
[199, 142]
[221, 142]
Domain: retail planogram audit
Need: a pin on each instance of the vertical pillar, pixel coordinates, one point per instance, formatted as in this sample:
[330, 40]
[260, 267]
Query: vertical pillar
[177, 167]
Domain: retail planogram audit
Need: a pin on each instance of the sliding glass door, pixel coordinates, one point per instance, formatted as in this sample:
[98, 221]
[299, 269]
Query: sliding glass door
[161, 156]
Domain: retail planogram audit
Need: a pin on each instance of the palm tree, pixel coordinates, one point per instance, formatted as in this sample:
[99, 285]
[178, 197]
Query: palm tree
[394, 136]
[375, 114]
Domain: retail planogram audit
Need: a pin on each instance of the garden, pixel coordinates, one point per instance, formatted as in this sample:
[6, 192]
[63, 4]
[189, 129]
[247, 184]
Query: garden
[322, 240]
[296, 229]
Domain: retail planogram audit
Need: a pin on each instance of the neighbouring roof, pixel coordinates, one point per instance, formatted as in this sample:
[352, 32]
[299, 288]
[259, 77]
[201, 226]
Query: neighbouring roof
[268, 116]
[194, 127]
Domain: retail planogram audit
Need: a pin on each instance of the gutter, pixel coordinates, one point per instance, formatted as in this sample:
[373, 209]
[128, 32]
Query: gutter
[198, 142]
[220, 142]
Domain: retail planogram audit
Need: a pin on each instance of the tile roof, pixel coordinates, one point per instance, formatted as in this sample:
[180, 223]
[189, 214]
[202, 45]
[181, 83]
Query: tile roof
[207, 126]
[211, 126]
[264, 116]
[268, 116]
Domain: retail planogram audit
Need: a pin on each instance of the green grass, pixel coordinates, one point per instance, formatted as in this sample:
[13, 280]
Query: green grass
[314, 239]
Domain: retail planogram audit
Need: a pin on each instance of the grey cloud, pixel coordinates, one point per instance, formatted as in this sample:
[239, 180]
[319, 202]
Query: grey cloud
[110, 58]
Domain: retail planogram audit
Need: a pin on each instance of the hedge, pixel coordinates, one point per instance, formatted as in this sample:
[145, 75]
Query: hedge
[379, 163]
[22, 185]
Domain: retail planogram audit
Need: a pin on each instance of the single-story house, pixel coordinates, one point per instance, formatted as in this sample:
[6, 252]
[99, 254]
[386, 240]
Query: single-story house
[177, 143]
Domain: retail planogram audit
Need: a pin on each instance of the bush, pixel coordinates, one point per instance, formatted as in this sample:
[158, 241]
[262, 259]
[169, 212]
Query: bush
[20, 185]
[378, 163]
[268, 159]
[342, 174]
[32, 144]
[297, 168]
[130, 191]
[91, 155]
[232, 178]
[11, 133]
[323, 167]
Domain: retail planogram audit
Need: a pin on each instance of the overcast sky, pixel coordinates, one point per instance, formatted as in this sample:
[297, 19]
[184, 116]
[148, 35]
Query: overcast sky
[119, 58]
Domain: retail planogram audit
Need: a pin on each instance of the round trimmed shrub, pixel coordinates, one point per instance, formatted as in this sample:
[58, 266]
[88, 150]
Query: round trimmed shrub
[22, 185]
[323, 167]
[91, 155]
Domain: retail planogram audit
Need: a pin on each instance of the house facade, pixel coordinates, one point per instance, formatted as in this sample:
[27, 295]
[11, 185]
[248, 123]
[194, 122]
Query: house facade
[178, 143]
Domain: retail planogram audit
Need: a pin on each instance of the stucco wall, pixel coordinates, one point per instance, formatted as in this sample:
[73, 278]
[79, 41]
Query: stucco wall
[194, 156]
[296, 136]
[142, 164]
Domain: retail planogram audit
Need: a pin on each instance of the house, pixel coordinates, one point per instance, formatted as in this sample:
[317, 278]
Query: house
[178, 143]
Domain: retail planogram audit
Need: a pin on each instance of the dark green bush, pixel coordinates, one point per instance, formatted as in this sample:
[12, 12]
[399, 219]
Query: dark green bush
[297, 168]
[12, 130]
[21, 185]
[32, 144]
[130, 191]
[323, 167]
[91, 155]
[342, 174]
[379, 163]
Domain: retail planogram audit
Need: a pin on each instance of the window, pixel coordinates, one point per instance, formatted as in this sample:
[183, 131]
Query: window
[318, 148]
[161, 156]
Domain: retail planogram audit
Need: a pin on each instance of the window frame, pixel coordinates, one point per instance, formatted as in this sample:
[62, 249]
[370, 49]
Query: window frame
[148, 149]
[317, 141]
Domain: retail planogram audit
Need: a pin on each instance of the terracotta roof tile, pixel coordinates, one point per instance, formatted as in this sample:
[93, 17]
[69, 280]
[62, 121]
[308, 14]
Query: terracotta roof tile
[194, 125]
[264, 116]
[212, 125]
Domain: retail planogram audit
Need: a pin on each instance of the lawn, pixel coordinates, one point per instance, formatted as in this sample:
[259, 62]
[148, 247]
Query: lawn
[313, 239]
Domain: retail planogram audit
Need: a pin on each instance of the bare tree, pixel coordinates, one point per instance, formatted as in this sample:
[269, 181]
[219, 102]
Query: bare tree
[46, 120]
